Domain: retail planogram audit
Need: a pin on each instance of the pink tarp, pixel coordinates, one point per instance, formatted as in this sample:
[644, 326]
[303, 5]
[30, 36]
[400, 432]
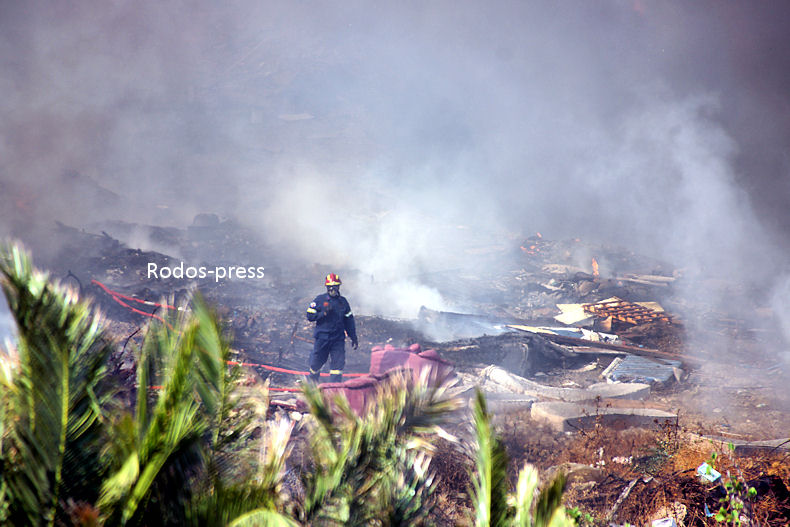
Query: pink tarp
[388, 358]
[383, 362]
[359, 391]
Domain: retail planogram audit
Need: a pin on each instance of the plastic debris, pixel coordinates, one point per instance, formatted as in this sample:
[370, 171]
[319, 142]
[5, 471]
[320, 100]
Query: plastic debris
[707, 472]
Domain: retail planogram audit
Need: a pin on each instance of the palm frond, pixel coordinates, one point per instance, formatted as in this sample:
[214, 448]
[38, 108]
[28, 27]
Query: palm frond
[227, 503]
[263, 518]
[493, 503]
[374, 469]
[525, 495]
[227, 497]
[412, 491]
[57, 393]
[57, 444]
[274, 452]
[186, 357]
[489, 483]
[549, 509]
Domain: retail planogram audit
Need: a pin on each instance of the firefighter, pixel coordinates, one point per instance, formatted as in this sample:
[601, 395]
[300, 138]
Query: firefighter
[333, 321]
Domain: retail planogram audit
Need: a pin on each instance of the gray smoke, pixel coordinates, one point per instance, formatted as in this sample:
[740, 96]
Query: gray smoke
[391, 138]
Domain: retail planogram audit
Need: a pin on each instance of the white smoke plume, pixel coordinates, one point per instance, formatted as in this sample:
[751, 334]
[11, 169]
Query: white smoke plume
[390, 138]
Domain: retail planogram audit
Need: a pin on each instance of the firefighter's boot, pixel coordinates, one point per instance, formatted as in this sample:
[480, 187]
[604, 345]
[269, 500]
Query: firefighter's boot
[336, 376]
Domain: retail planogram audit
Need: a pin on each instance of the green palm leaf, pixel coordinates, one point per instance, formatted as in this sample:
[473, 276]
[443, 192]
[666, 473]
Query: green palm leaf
[263, 518]
[180, 432]
[491, 491]
[374, 470]
[168, 432]
[525, 494]
[55, 404]
[53, 400]
[548, 509]
[490, 484]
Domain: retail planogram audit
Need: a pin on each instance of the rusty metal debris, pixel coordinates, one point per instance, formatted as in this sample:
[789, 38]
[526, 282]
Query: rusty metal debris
[631, 312]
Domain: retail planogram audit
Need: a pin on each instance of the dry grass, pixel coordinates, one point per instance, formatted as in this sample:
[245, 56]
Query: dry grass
[663, 461]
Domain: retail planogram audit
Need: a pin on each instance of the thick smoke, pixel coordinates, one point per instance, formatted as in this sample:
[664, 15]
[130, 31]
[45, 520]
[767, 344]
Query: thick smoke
[391, 138]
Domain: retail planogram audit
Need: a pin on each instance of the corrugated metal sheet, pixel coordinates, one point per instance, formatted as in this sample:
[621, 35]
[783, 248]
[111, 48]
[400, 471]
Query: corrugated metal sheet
[633, 368]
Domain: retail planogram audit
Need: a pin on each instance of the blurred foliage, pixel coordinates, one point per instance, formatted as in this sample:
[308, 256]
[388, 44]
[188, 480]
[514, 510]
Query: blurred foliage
[71, 454]
[494, 503]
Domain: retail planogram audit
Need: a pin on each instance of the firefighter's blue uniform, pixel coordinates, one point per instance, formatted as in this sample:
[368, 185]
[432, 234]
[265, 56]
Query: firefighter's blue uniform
[333, 321]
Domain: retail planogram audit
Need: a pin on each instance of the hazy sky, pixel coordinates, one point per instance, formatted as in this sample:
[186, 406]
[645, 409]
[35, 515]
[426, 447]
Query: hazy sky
[385, 135]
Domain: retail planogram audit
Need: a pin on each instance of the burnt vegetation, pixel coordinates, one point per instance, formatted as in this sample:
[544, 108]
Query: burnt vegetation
[143, 422]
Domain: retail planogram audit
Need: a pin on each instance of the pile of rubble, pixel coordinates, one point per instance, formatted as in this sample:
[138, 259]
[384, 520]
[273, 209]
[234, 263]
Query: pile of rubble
[566, 335]
[567, 303]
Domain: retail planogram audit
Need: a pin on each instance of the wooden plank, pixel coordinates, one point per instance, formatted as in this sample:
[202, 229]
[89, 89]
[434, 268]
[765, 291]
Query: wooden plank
[645, 352]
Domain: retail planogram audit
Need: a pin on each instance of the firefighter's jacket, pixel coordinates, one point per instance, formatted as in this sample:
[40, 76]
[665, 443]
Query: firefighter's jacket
[333, 318]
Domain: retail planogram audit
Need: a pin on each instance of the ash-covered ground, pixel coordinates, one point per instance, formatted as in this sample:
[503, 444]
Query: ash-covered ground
[726, 370]
[732, 364]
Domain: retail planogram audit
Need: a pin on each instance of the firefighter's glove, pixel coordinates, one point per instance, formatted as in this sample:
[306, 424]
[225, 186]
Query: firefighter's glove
[354, 343]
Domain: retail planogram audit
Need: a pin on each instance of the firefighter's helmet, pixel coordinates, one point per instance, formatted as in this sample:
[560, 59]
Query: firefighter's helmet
[332, 279]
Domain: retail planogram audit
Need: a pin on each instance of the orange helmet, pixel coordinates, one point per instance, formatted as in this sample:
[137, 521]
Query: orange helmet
[332, 279]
